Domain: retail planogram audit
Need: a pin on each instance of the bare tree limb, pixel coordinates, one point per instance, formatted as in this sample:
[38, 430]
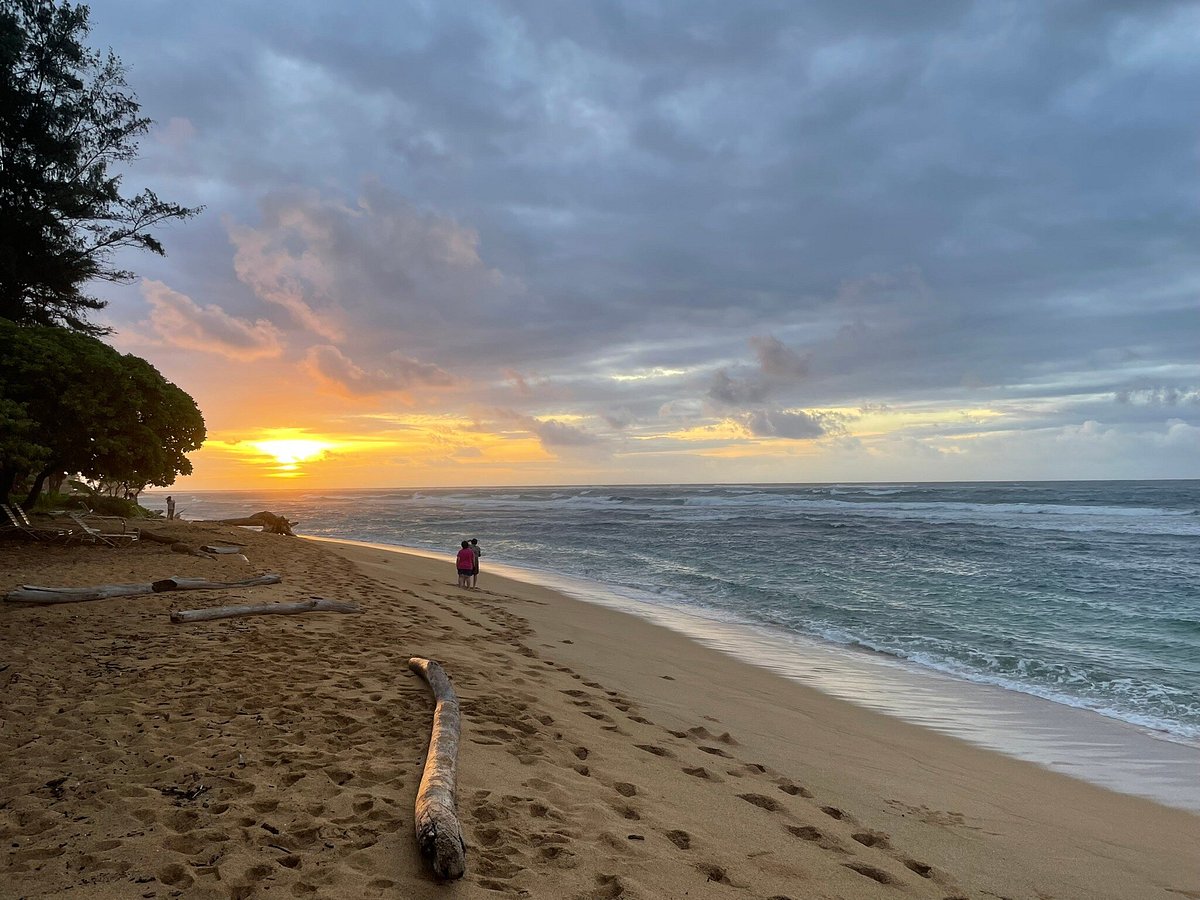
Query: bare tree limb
[32, 593]
[316, 604]
[439, 834]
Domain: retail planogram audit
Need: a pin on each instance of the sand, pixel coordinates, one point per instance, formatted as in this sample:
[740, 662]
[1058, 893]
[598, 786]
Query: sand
[602, 756]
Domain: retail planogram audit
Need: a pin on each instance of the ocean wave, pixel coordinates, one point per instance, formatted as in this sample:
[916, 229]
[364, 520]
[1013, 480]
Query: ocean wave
[1125, 699]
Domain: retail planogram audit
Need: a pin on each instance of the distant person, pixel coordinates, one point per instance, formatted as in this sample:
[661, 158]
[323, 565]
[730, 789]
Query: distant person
[466, 565]
[170, 507]
[475, 568]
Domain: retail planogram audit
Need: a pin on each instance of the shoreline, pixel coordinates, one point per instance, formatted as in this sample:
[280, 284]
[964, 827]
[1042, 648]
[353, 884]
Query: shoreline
[1073, 741]
[1029, 831]
[602, 756]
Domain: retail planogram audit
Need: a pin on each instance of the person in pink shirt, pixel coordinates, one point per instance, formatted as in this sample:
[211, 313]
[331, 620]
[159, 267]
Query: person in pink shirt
[465, 561]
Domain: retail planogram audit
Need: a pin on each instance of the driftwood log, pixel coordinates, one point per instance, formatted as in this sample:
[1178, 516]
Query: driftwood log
[316, 604]
[202, 584]
[32, 593]
[268, 521]
[439, 834]
[177, 545]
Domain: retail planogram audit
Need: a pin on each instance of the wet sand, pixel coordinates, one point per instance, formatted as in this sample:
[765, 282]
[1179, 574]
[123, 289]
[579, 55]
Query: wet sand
[603, 756]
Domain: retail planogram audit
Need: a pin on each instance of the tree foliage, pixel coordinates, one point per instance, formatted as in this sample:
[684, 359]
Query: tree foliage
[66, 118]
[70, 403]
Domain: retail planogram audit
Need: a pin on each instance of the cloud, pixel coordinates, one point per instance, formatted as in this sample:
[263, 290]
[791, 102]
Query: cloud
[794, 425]
[369, 267]
[340, 374]
[550, 432]
[560, 434]
[183, 323]
[1161, 395]
[778, 360]
[733, 391]
[954, 203]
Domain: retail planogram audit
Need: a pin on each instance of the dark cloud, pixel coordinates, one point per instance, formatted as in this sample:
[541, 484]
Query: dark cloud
[737, 391]
[778, 360]
[796, 425]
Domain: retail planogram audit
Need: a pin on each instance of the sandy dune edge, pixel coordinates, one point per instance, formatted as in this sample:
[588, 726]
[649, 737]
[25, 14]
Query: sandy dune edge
[603, 756]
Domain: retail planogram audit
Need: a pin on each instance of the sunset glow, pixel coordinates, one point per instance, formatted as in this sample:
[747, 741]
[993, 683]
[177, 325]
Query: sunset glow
[293, 451]
[660, 267]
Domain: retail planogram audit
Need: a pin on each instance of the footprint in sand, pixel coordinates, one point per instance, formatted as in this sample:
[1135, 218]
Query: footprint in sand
[655, 751]
[680, 839]
[762, 802]
[871, 872]
[714, 873]
[625, 789]
[794, 789]
[923, 869]
[873, 839]
[174, 875]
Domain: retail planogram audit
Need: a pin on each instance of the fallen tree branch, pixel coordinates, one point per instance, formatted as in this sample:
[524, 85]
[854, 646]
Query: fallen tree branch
[176, 583]
[316, 604]
[32, 593]
[439, 834]
[268, 521]
[179, 546]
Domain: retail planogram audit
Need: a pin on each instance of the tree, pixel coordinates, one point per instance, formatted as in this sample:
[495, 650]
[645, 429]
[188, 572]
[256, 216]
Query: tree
[70, 403]
[66, 117]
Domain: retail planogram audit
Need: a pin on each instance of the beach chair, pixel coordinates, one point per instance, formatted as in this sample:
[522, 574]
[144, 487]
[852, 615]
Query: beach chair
[122, 538]
[13, 518]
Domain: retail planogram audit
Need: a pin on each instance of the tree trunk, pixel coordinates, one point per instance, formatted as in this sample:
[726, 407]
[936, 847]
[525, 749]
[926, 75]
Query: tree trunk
[439, 834]
[36, 490]
[316, 604]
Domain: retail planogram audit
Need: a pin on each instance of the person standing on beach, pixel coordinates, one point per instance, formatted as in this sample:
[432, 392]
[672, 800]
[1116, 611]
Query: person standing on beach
[475, 568]
[466, 564]
[170, 507]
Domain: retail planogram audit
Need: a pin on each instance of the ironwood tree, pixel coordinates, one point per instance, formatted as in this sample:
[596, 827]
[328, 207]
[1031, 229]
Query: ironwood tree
[71, 403]
[67, 119]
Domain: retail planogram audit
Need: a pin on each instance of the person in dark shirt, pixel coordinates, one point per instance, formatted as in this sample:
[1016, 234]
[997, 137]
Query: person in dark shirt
[475, 568]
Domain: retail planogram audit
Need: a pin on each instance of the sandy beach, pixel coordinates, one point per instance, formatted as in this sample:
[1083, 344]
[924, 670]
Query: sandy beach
[603, 756]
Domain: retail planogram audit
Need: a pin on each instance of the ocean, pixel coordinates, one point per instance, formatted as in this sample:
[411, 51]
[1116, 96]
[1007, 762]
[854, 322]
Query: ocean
[1085, 595]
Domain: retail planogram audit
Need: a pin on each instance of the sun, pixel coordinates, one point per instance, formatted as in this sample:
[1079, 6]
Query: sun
[290, 452]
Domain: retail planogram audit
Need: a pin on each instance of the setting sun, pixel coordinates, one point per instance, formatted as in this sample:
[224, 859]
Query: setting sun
[289, 452]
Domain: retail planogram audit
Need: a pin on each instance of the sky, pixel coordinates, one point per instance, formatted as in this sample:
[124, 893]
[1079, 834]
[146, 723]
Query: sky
[576, 243]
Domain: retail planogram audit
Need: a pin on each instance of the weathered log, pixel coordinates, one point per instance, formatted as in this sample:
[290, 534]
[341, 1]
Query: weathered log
[268, 521]
[32, 593]
[222, 548]
[316, 604]
[439, 834]
[201, 584]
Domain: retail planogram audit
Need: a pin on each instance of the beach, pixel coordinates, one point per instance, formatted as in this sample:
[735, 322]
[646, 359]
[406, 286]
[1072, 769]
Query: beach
[602, 755]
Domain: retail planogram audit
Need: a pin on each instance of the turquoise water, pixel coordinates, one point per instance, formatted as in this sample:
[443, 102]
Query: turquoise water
[1084, 593]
